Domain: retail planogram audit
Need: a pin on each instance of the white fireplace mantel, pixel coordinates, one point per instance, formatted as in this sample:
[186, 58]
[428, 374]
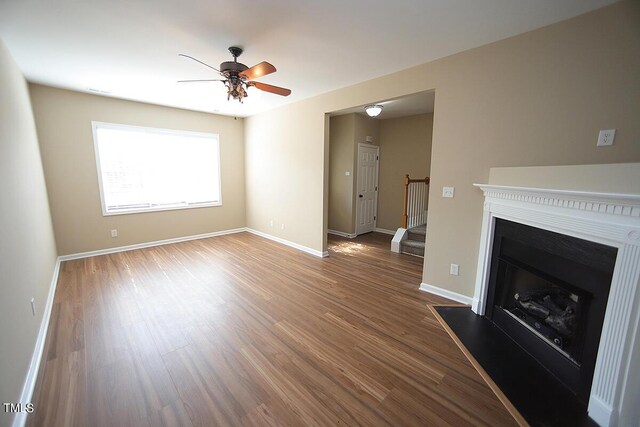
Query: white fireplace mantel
[607, 218]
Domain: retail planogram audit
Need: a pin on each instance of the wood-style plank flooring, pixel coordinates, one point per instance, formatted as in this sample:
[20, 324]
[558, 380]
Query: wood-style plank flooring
[240, 330]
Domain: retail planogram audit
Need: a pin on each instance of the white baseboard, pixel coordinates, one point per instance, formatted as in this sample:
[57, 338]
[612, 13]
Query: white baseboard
[384, 231]
[149, 244]
[342, 234]
[297, 246]
[445, 293]
[187, 238]
[475, 306]
[601, 412]
[32, 375]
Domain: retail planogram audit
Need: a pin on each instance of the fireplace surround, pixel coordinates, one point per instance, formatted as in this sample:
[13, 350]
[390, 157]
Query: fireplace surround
[605, 219]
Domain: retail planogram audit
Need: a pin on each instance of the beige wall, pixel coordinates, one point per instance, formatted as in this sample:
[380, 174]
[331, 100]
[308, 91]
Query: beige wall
[607, 178]
[405, 148]
[366, 126]
[535, 99]
[285, 166]
[341, 186]
[63, 120]
[27, 246]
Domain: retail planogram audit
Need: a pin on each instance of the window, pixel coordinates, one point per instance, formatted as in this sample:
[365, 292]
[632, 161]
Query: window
[144, 169]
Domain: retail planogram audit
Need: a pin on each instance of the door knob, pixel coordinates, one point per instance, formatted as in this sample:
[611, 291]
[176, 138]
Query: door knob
[359, 195]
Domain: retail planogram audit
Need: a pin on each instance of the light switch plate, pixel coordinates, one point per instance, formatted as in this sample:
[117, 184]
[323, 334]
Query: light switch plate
[447, 192]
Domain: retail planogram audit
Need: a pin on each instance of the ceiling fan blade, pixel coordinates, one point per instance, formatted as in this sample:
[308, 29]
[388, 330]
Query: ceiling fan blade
[208, 80]
[197, 60]
[270, 88]
[259, 70]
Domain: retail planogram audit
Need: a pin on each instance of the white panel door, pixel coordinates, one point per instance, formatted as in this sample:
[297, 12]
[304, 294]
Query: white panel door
[367, 188]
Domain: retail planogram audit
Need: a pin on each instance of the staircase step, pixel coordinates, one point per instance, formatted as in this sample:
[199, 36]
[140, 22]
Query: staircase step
[420, 229]
[413, 247]
[413, 251]
[413, 243]
[417, 233]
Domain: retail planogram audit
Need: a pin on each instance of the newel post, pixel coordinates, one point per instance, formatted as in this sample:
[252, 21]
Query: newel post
[406, 201]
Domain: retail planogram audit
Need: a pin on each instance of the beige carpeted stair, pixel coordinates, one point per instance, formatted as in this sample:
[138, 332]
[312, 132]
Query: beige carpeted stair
[414, 244]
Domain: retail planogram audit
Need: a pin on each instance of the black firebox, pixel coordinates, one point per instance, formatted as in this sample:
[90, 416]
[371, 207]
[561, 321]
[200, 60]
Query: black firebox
[549, 292]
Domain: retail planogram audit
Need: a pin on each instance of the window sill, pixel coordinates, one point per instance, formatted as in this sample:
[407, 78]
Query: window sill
[160, 209]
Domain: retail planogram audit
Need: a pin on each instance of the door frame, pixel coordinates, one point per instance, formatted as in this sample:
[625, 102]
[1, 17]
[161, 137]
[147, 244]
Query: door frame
[377, 185]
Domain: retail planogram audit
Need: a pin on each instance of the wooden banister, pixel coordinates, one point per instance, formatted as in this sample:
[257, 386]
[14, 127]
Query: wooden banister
[408, 181]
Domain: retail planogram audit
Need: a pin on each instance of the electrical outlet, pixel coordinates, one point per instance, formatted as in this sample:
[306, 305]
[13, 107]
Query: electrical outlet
[271, 223]
[114, 233]
[447, 192]
[605, 137]
[33, 306]
[282, 226]
[454, 269]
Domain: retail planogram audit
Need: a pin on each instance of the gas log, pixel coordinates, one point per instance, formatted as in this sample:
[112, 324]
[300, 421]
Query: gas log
[553, 306]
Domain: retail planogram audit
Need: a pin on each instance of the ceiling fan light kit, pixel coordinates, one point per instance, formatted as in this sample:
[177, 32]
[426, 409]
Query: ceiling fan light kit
[373, 110]
[238, 77]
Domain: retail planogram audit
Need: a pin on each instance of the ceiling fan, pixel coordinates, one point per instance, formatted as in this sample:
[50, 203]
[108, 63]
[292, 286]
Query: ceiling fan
[238, 77]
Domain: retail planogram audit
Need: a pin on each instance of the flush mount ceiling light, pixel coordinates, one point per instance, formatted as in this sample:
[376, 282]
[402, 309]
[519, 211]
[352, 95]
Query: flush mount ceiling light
[373, 110]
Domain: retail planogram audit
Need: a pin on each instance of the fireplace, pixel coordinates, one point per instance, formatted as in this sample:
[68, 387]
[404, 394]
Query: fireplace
[594, 352]
[549, 292]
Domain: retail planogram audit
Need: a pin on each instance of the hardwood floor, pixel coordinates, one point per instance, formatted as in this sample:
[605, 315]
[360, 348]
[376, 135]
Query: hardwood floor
[240, 330]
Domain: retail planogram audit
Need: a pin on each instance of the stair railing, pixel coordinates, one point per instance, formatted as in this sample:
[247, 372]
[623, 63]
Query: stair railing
[416, 193]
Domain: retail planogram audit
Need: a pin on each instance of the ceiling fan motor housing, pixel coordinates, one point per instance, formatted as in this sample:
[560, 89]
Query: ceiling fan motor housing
[232, 67]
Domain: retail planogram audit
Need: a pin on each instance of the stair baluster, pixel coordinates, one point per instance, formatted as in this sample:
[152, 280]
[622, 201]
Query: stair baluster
[415, 202]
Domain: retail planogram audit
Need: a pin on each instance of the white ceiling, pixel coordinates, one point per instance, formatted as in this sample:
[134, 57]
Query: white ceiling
[129, 48]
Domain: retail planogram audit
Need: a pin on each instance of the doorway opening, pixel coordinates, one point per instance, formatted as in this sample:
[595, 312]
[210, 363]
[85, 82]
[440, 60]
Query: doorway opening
[368, 163]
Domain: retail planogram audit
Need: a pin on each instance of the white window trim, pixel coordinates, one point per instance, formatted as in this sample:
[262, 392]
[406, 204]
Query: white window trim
[106, 125]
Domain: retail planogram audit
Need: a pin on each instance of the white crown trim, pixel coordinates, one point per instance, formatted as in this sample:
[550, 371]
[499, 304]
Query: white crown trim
[609, 203]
